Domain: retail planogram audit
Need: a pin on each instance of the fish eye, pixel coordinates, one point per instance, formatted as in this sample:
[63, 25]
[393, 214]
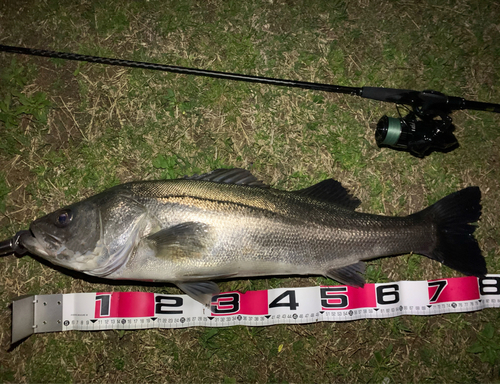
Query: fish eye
[64, 218]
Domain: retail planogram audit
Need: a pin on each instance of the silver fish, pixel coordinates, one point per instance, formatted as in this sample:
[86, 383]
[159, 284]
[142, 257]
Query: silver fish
[227, 224]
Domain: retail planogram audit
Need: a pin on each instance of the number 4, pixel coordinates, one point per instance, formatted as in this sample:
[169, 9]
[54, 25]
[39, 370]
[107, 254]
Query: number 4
[292, 301]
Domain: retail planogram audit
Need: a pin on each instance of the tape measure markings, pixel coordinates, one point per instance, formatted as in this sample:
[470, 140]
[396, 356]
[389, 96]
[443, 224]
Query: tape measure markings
[144, 310]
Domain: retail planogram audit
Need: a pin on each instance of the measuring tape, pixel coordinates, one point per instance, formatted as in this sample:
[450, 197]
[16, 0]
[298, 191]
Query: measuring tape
[142, 310]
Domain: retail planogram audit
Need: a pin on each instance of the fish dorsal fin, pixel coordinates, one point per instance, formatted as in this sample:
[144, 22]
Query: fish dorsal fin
[230, 176]
[351, 275]
[331, 191]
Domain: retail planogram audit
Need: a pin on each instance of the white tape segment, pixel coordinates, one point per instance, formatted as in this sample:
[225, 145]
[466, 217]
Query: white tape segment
[142, 310]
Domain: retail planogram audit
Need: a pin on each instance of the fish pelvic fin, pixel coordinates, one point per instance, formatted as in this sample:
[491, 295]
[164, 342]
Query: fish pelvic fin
[330, 191]
[456, 246]
[201, 291]
[351, 275]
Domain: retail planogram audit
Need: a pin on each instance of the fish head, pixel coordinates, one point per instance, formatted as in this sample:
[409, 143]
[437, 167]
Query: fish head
[69, 237]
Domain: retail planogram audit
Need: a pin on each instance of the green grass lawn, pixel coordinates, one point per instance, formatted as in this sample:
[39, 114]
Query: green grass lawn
[69, 130]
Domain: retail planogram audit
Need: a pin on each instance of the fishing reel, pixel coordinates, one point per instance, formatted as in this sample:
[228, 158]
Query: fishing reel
[427, 126]
[419, 136]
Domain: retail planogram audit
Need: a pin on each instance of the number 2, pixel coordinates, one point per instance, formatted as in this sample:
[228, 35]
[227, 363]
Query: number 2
[163, 302]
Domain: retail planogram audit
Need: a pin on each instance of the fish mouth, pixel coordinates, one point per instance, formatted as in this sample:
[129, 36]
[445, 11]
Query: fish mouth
[42, 243]
[29, 241]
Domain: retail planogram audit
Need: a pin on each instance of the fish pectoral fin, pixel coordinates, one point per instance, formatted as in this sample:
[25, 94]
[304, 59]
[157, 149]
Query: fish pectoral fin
[351, 275]
[188, 239]
[201, 291]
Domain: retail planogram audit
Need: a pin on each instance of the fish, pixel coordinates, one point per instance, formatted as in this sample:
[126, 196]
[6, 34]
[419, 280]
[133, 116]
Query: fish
[226, 224]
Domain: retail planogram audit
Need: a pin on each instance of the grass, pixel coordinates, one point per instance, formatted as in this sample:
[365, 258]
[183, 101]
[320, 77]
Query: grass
[69, 130]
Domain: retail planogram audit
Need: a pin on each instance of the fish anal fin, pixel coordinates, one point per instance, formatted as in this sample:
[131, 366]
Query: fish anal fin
[351, 275]
[236, 176]
[201, 291]
[331, 191]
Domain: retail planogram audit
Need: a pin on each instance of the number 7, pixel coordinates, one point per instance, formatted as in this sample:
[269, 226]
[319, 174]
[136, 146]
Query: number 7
[441, 284]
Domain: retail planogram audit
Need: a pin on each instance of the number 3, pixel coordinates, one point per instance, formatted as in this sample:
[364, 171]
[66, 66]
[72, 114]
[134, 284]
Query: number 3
[225, 303]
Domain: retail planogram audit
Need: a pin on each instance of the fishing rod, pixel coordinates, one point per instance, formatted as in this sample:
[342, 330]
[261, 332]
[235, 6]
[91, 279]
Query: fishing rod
[427, 125]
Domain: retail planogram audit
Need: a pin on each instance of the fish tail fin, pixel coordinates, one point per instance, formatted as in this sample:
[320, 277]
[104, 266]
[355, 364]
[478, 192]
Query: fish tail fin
[456, 246]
